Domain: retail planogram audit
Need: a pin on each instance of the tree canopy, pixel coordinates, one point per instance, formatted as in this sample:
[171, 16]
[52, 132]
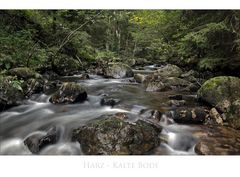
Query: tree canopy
[206, 40]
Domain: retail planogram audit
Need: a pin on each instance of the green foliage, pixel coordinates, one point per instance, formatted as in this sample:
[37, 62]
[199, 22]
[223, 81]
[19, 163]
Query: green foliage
[195, 38]
[210, 64]
[105, 55]
[11, 81]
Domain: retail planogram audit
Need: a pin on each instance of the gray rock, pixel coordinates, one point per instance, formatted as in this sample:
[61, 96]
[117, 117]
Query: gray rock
[223, 93]
[109, 101]
[190, 115]
[37, 141]
[118, 70]
[170, 71]
[139, 78]
[69, 92]
[113, 136]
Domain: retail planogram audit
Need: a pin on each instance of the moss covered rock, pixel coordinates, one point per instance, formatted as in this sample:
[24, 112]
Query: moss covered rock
[10, 92]
[223, 92]
[118, 70]
[69, 92]
[110, 135]
[24, 73]
[170, 71]
[32, 86]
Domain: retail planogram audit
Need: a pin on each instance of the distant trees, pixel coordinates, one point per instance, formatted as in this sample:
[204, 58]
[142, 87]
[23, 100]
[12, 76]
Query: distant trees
[208, 40]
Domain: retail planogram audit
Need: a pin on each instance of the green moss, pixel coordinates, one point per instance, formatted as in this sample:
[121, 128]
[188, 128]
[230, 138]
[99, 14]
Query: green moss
[24, 73]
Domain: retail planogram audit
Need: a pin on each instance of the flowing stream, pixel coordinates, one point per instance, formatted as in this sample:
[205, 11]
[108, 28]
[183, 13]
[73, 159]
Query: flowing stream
[37, 114]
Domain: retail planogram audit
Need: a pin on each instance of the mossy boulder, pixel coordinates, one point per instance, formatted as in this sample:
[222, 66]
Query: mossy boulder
[218, 89]
[32, 86]
[118, 70]
[223, 92]
[110, 135]
[24, 73]
[170, 71]
[69, 92]
[11, 93]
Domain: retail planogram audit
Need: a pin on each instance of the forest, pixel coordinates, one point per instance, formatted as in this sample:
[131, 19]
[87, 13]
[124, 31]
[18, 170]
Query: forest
[120, 82]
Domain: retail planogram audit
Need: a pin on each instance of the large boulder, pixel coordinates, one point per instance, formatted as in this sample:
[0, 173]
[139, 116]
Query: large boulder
[170, 71]
[24, 73]
[118, 70]
[69, 92]
[32, 86]
[223, 92]
[113, 136]
[190, 115]
[219, 140]
[11, 93]
[39, 140]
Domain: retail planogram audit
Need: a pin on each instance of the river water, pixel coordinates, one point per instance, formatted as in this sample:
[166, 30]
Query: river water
[37, 114]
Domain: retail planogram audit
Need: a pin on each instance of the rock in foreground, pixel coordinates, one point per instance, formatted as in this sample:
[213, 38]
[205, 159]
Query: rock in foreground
[113, 136]
[219, 140]
[69, 92]
[36, 142]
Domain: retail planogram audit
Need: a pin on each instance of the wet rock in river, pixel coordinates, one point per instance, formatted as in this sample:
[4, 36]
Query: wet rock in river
[37, 141]
[69, 92]
[109, 102]
[190, 115]
[156, 86]
[170, 71]
[139, 78]
[219, 140]
[50, 86]
[113, 136]
[84, 76]
[176, 103]
[118, 70]
[32, 86]
[151, 114]
[175, 97]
